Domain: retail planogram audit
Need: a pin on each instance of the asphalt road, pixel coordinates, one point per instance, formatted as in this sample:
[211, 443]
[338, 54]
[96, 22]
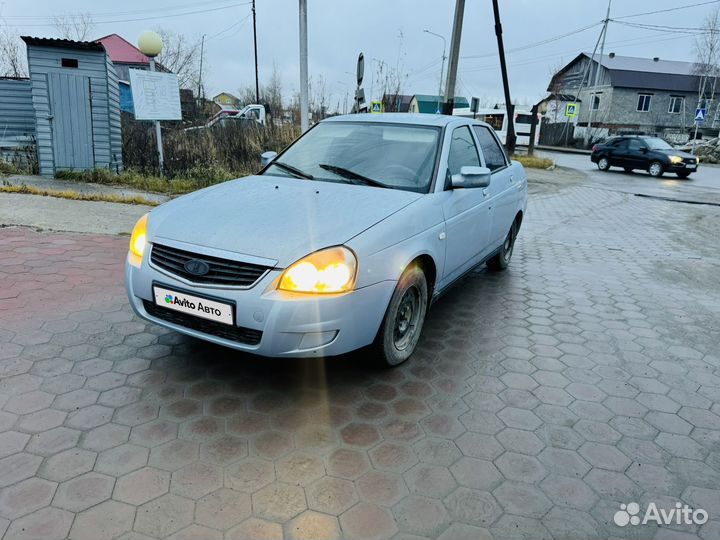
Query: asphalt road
[703, 186]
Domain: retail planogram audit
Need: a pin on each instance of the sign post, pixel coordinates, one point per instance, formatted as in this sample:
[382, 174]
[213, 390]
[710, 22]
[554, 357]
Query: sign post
[700, 116]
[359, 92]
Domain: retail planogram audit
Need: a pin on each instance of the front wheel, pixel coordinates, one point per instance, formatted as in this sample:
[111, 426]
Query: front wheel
[603, 164]
[501, 260]
[400, 330]
[656, 169]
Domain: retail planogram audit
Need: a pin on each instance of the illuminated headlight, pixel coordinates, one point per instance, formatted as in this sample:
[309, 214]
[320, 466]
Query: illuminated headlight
[138, 241]
[330, 270]
[676, 160]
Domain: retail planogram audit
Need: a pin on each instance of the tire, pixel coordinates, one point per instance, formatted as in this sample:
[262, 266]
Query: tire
[501, 260]
[628, 169]
[603, 164]
[656, 169]
[402, 325]
[683, 174]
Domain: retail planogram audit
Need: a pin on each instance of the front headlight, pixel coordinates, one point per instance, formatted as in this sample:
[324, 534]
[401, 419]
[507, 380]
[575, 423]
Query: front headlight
[675, 160]
[330, 270]
[138, 240]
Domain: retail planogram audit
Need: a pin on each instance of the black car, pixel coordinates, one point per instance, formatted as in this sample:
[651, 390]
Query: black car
[650, 154]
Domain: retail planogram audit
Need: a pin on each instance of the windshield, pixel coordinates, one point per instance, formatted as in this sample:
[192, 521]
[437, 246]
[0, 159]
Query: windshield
[657, 144]
[382, 155]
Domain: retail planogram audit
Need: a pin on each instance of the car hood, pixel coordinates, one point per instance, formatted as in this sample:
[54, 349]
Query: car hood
[673, 152]
[275, 218]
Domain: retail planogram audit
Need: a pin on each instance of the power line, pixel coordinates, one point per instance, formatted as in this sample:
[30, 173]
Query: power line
[239, 24]
[538, 43]
[163, 16]
[668, 9]
[101, 14]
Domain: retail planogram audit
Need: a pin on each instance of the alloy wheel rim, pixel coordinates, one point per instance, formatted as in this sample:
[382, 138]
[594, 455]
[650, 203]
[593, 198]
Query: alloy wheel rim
[406, 318]
[654, 169]
[603, 163]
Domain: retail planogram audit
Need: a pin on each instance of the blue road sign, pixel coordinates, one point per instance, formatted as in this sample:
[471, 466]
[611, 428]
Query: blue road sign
[700, 115]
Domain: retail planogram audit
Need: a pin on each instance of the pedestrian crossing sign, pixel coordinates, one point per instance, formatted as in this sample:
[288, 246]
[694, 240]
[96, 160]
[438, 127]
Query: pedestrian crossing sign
[376, 106]
[700, 115]
[571, 110]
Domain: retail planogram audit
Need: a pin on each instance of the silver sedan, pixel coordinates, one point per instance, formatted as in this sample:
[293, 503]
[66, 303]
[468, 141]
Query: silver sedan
[342, 241]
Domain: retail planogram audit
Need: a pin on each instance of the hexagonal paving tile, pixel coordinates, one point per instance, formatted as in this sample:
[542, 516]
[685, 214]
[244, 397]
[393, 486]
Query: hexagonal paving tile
[197, 479]
[163, 516]
[107, 520]
[473, 506]
[249, 475]
[25, 497]
[331, 495]
[67, 464]
[366, 520]
[223, 509]
[279, 502]
[141, 486]
[83, 491]
[312, 525]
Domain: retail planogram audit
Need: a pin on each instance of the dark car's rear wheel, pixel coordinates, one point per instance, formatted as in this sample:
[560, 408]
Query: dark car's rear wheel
[656, 169]
[683, 174]
[400, 330]
[603, 164]
[501, 260]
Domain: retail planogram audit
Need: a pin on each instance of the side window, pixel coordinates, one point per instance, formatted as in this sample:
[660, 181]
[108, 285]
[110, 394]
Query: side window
[635, 144]
[462, 151]
[494, 154]
[621, 144]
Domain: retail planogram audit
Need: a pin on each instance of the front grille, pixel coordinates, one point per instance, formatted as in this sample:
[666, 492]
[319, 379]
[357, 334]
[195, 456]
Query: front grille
[248, 336]
[689, 160]
[222, 271]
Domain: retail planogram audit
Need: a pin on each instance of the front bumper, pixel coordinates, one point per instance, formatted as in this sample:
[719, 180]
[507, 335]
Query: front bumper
[681, 167]
[292, 325]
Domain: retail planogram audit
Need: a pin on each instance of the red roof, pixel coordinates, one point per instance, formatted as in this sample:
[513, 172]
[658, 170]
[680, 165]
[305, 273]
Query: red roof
[122, 51]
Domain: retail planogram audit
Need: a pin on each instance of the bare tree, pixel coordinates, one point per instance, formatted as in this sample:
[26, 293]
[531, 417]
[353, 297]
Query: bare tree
[76, 26]
[181, 56]
[707, 58]
[12, 57]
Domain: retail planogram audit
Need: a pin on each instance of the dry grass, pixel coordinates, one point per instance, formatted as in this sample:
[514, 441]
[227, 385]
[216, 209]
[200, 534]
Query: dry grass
[533, 162]
[146, 182]
[75, 196]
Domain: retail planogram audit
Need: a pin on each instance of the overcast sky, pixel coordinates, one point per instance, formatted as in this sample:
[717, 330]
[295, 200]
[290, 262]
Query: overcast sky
[388, 31]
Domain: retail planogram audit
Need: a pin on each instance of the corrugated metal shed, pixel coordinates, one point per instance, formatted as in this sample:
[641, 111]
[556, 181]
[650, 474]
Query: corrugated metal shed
[17, 117]
[76, 100]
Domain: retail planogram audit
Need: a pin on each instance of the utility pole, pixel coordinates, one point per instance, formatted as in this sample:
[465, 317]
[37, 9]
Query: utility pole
[442, 65]
[158, 132]
[509, 107]
[449, 103]
[257, 79]
[304, 121]
[586, 140]
[202, 53]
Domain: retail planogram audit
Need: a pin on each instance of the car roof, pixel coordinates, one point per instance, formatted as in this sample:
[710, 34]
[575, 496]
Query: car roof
[420, 119]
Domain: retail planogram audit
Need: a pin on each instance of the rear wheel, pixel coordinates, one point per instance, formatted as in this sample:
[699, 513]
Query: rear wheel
[603, 164]
[501, 260]
[656, 169]
[400, 330]
[683, 174]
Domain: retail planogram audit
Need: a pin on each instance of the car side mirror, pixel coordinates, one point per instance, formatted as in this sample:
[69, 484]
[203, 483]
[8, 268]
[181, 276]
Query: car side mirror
[267, 157]
[471, 177]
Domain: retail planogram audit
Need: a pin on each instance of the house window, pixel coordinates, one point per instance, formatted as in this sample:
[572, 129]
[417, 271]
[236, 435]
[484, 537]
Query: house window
[595, 103]
[69, 62]
[643, 104]
[676, 104]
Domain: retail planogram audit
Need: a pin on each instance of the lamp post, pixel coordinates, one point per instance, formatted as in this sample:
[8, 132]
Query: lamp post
[442, 65]
[150, 44]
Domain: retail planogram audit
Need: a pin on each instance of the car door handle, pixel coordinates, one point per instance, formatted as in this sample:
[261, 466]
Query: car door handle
[512, 177]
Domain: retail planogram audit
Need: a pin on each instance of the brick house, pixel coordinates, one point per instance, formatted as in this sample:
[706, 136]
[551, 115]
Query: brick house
[633, 95]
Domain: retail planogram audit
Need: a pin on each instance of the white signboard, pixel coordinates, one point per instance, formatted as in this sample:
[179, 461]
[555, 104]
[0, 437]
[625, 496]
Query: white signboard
[156, 96]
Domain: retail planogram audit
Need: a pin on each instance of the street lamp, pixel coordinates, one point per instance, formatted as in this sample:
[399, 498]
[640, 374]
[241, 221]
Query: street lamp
[442, 66]
[150, 44]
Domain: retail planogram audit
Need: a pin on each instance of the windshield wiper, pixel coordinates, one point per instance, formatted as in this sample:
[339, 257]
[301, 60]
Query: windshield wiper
[351, 175]
[293, 170]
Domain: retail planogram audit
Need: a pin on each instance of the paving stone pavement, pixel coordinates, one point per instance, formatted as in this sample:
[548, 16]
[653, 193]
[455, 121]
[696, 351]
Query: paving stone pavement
[540, 399]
